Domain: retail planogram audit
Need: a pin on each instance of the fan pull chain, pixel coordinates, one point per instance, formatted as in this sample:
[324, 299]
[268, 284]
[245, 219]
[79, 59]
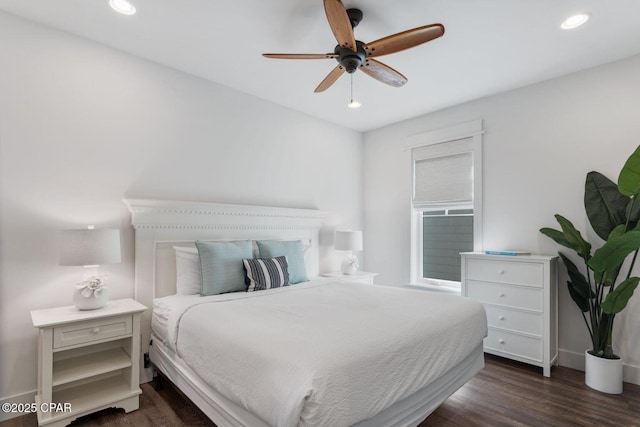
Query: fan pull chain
[352, 103]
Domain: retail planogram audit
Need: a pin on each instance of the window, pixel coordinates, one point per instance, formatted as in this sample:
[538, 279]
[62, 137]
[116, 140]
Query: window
[446, 203]
[445, 233]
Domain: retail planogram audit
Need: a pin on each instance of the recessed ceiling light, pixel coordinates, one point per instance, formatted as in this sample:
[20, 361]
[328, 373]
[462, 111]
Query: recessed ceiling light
[122, 6]
[575, 21]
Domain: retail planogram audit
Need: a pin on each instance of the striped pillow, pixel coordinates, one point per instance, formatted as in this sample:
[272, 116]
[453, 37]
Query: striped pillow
[266, 273]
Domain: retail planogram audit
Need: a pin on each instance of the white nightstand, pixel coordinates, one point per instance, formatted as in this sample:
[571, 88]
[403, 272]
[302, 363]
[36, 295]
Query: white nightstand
[358, 276]
[87, 360]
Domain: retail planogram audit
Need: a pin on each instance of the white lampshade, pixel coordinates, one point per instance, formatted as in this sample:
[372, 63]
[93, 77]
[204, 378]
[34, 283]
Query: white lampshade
[90, 247]
[348, 240]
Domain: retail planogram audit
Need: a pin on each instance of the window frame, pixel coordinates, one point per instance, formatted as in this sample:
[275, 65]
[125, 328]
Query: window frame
[473, 130]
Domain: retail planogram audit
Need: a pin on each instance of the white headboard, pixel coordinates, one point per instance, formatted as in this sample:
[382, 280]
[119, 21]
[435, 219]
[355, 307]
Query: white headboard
[161, 224]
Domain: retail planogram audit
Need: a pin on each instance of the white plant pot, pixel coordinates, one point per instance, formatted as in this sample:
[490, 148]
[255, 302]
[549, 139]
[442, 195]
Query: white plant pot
[92, 302]
[604, 375]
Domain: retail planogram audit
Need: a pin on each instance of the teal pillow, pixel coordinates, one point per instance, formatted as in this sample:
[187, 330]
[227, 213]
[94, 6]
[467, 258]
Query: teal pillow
[221, 266]
[293, 250]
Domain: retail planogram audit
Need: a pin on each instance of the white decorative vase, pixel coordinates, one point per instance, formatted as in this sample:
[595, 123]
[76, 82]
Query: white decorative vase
[602, 374]
[350, 265]
[91, 302]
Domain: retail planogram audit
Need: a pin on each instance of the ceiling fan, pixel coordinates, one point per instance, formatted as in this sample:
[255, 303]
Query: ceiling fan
[353, 54]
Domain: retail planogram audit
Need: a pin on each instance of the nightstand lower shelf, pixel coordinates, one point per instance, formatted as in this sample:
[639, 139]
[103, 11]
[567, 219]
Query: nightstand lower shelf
[94, 395]
[90, 365]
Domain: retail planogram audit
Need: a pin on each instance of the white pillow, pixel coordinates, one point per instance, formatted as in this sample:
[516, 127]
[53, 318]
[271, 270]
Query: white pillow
[188, 274]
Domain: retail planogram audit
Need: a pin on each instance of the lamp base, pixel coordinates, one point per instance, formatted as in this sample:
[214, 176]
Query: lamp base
[92, 302]
[350, 265]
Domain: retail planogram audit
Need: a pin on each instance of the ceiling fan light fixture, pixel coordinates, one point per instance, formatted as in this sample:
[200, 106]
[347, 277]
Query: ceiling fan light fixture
[122, 6]
[352, 54]
[575, 21]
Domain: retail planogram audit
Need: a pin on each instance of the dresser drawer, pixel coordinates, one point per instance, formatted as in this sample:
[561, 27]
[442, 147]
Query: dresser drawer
[506, 295]
[518, 273]
[514, 344]
[521, 321]
[97, 330]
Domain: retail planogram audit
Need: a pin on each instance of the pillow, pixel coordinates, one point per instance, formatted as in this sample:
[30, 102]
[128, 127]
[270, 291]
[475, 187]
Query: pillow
[266, 273]
[294, 252]
[188, 276]
[221, 266]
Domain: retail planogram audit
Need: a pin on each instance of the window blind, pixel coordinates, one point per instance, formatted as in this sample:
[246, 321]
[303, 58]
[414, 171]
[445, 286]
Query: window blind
[443, 174]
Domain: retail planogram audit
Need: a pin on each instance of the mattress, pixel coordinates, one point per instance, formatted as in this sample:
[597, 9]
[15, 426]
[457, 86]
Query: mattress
[321, 353]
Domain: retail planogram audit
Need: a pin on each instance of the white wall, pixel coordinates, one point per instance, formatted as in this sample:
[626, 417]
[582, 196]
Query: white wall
[540, 142]
[82, 126]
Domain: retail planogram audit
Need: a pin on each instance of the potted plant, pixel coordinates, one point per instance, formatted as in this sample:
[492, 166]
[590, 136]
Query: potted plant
[603, 286]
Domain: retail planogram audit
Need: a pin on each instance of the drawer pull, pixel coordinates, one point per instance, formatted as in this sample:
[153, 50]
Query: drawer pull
[95, 331]
[501, 294]
[501, 317]
[500, 271]
[501, 341]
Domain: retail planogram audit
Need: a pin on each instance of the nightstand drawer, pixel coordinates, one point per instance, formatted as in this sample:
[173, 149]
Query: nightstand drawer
[514, 344]
[358, 277]
[86, 332]
[510, 296]
[518, 273]
[368, 280]
[521, 321]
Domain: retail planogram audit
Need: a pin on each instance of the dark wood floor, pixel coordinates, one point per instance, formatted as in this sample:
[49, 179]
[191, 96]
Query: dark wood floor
[504, 393]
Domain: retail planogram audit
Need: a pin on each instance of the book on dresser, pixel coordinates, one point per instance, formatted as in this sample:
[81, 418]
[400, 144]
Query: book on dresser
[519, 294]
[506, 252]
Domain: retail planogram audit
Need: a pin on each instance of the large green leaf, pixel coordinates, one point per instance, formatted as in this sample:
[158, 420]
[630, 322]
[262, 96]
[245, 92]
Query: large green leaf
[613, 253]
[578, 281]
[616, 232]
[605, 205]
[633, 211]
[574, 238]
[617, 300]
[581, 301]
[629, 178]
[556, 235]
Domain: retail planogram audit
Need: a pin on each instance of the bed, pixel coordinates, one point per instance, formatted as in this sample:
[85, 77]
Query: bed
[324, 352]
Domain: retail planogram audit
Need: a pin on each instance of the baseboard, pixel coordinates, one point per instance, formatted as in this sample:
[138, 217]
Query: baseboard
[23, 398]
[570, 359]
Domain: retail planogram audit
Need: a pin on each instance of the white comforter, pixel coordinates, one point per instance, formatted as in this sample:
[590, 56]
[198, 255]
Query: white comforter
[324, 354]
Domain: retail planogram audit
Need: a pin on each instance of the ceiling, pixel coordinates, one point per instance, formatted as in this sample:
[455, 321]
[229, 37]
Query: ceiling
[489, 46]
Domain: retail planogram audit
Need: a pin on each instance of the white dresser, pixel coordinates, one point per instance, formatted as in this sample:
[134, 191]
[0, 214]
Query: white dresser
[520, 296]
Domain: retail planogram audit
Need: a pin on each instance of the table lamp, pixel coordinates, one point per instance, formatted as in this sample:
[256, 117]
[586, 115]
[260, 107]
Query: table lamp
[349, 241]
[90, 248]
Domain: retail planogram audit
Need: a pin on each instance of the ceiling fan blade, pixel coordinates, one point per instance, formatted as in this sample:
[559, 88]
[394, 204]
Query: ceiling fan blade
[340, 23]
[383, 73]
[330, 79]
[300, 55]
[404, 40]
